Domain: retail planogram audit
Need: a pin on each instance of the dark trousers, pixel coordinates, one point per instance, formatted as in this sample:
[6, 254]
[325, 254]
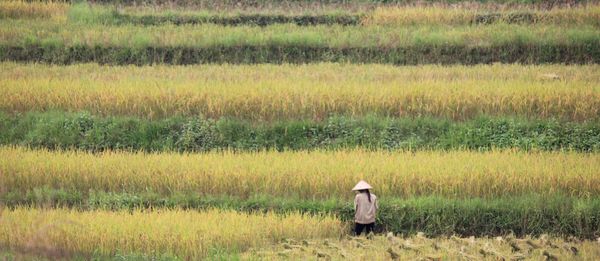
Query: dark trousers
[358, 228]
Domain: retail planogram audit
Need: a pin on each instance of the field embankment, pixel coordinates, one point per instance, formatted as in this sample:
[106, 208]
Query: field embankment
[83, 131]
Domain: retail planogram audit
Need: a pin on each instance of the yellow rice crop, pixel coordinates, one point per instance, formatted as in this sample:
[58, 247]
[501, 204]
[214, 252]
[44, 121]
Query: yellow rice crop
[187, 234]
[431, 15]
[418, 15]
[307, 175]
[270, 92]
[25, 9]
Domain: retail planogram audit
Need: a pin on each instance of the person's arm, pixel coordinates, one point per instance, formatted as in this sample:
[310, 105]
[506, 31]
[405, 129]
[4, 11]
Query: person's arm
[376, 203]
[355, 202]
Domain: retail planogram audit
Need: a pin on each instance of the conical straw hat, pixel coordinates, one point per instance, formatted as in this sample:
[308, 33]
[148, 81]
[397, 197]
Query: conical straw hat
[362, 185]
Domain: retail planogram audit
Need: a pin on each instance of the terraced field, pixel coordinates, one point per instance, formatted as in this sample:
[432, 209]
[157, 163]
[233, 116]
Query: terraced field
[194, 129]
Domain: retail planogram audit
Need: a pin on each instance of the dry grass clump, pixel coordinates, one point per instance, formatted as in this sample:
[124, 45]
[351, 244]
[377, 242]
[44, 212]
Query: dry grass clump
[185, 234]
[307, 175]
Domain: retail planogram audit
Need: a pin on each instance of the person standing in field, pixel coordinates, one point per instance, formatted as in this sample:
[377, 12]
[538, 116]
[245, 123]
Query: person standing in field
[365, 205]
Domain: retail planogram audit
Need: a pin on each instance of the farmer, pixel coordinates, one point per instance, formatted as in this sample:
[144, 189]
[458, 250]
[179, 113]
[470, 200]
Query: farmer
[365, 205]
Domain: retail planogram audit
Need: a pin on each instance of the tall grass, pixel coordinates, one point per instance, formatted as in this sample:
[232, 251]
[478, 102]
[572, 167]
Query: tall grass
[270, 92]
[407, 16]
[83, 13]
[110, 15]
[26, 9]
[58, 43]
[396, 16]
[306, 174]
[60, 34]
[331, 14]
[180, 233]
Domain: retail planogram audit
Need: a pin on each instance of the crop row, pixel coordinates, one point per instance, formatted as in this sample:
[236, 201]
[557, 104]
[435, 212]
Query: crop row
[61, 233]
[50, 33]
[113, 18]
[306, 175]
[307, 4]
[406, 16]
[435, 216]
[54, 42]
[82, 131]
[39, 9]
[270, 92]
[398, 16]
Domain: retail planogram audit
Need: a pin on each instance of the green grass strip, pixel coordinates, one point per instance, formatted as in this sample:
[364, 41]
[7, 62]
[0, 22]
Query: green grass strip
[523, 215]
[59, 130]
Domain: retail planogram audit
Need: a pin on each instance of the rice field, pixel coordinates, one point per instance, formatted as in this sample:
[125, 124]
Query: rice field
[102, 35]
[60, 233]
[319, 174]
[227, 130]
[273, 92]
[63, 233]
[391, 15]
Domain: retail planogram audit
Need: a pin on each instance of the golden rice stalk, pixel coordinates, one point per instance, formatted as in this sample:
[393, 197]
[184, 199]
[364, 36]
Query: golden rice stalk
[186, 234]
[307, 175]
[273, 92]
